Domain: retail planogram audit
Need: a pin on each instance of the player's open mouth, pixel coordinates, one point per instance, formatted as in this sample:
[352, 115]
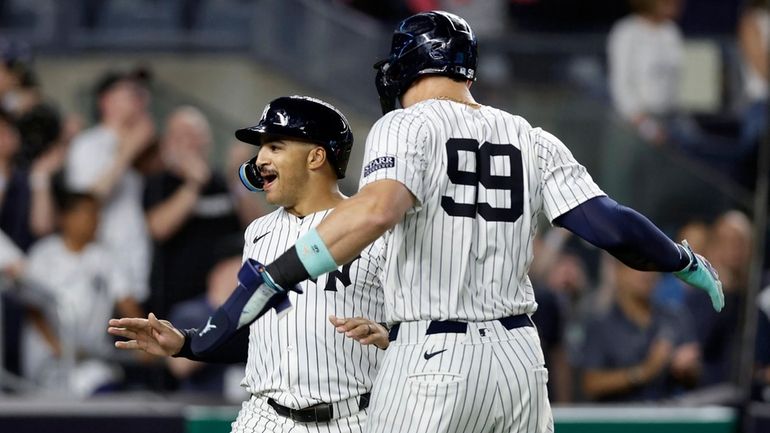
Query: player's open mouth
[269, 179]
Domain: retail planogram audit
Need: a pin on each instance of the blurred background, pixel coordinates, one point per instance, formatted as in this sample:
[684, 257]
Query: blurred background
[119, 192]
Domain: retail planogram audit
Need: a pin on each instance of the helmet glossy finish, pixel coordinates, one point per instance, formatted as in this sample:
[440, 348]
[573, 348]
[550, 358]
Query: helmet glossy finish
[299, 118]
[436, 43]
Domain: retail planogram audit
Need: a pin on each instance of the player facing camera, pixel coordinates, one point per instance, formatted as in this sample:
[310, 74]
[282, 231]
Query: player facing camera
[297, 136]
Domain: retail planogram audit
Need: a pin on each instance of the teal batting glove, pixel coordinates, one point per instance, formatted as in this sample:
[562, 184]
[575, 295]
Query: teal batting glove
[699, 273]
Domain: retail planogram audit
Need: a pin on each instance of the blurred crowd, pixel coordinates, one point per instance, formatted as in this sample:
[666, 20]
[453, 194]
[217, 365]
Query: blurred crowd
[124, 214]
[123, 217]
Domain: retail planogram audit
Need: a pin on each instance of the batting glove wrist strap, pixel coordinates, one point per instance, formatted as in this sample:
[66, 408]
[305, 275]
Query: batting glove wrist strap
[699, 273]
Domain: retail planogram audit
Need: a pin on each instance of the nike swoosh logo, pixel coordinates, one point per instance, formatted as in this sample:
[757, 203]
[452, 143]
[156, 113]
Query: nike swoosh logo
[428, 356]
[256, 239]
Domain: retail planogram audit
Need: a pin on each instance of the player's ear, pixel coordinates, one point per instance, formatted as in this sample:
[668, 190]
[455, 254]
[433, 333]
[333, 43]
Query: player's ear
[316, 158]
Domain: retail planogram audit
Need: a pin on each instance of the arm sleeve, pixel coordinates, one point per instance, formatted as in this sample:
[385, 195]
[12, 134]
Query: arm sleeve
[395, 150]
[626, 234]
[233, 351]
[564, 181]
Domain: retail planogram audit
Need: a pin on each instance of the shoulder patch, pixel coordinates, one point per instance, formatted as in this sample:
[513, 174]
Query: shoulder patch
[379, 163]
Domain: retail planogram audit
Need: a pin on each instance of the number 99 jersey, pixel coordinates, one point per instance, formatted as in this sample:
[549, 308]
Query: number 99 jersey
[480, 177]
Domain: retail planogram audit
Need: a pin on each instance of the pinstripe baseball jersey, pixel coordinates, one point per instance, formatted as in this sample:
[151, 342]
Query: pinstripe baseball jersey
[300, 360]
[480, 177]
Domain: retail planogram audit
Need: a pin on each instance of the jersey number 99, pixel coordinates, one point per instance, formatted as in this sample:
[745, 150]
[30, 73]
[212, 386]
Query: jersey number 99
[483, 175]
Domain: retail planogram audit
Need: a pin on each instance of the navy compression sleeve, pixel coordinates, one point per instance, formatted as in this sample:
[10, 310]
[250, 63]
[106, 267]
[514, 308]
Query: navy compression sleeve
[624, 233]
[234, 350]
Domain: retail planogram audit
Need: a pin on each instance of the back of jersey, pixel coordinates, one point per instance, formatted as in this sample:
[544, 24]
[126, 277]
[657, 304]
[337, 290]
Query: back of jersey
[480, 177]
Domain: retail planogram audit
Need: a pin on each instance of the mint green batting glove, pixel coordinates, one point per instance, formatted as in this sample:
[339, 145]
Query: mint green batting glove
[699, 273]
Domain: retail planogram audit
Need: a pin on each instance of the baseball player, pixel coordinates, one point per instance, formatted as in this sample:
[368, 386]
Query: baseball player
[300, 372]
[459, 186]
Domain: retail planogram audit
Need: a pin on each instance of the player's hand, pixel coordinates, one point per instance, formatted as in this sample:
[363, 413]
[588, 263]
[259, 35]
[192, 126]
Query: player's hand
[699, 273]
[362, 330]
[157, 337]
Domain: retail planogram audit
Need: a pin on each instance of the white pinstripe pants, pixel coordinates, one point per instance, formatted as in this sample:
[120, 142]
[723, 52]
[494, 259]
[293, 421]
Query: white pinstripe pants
[256, 416]
[489, 379]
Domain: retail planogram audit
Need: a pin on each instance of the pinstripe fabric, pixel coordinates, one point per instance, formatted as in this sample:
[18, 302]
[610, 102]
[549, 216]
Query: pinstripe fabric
[440, 266]
[300, 360]
[480, 177]
[488, 380]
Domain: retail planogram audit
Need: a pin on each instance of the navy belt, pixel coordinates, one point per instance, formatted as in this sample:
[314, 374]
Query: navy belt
[323, 412]
[455, 327]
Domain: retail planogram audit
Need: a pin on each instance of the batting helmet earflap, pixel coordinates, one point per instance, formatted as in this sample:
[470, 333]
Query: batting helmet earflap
[300, 118]
[437, 43]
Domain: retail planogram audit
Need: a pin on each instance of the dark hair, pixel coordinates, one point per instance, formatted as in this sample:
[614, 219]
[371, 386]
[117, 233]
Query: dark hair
[39, 128]
[642, 6]
[140, 75]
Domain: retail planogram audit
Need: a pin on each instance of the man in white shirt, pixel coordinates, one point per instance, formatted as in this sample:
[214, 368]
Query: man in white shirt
[100, 162]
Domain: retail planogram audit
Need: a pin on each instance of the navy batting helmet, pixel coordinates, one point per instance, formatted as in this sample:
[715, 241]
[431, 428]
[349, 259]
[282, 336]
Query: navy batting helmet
[299, 118]
[436, 43]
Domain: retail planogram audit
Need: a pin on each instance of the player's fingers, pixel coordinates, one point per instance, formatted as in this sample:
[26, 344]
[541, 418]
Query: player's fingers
[352, 323]
[362, 330]
[128, 345]
[130, 322]
[337, 321]
[122, 332]
[155, 323]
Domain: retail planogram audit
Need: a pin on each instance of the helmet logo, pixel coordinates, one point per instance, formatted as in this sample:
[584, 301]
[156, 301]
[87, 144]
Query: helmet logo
[283, 120]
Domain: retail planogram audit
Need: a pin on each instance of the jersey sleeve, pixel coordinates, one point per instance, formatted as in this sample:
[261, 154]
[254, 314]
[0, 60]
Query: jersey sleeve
[565, 182]
[395, 150]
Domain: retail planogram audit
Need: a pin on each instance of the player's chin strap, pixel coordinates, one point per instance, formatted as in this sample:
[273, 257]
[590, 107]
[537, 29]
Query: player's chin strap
[250, 177]
[255, 295]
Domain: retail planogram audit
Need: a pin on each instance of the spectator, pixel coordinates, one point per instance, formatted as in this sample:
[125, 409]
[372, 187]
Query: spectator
[221, 280]
[645, 61]
[100, 161]
[188, 208]
[753, 37]
[719, 334]
[645, 54]
[638, 350]
[65, 347]
[557, 299]
[38, 122]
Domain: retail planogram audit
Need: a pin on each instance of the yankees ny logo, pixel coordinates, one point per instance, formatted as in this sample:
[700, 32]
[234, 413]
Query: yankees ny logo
[207, 328]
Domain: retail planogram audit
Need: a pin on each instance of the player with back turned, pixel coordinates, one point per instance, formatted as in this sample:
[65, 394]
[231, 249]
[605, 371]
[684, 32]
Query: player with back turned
[301, 373]
[458, 187]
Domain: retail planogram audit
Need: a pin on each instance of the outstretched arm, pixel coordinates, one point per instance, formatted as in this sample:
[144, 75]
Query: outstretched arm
[626, 234]
[638, 243]
[161, 338]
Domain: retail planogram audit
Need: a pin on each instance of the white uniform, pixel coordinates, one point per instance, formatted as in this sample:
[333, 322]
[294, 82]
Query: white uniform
[480, 178]
[83, 288]
[300, 360]
[122, 227]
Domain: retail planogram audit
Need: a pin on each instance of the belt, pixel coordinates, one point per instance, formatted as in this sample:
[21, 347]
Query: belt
[323, 412]
[454, 327]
